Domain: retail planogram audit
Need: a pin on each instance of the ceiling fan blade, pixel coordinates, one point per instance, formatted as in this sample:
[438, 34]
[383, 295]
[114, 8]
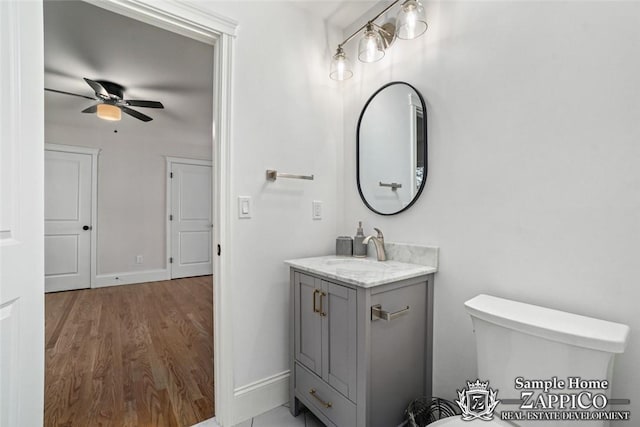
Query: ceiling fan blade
[98, 88]
[146, 104]
[91, 109]
[137, 114]
[69, 93]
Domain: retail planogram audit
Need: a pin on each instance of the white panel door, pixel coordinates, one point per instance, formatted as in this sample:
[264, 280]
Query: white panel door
[191, 223]
[21, 214]
[67, 214]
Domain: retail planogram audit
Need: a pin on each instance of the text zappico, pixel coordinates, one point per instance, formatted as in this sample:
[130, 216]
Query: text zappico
[583, 400]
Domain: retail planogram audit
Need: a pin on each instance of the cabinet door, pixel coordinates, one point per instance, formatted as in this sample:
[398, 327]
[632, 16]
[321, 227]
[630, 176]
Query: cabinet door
[308, 323]
[339, 338]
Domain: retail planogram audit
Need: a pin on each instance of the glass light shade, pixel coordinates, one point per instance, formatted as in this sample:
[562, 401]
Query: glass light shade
[340, 66]
[370, 48]
[411, 21]
[109, 112]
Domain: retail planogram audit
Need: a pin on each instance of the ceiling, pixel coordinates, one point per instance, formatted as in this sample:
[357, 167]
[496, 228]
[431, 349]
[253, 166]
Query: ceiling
[82, 40]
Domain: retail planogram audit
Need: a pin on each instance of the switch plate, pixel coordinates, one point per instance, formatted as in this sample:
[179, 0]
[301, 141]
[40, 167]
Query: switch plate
[138, 259]
[316, 209]
[244, 207]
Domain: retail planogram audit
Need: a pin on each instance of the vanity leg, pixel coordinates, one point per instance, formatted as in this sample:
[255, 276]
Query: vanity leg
[295, 407]
[428, 371]
[294, 403]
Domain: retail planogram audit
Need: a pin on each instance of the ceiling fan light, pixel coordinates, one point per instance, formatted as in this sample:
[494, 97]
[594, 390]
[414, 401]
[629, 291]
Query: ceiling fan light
[109, 112]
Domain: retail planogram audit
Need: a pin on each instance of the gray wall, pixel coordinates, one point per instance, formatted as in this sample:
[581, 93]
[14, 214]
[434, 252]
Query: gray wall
[131, 189]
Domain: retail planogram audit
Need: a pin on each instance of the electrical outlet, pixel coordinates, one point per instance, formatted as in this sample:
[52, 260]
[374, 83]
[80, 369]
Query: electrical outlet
[316, 212]
[139, 259]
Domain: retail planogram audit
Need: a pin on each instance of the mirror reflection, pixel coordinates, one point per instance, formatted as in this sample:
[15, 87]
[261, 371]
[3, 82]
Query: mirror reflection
[392, 148]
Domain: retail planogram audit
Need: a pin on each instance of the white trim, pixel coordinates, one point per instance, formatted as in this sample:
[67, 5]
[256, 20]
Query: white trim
[222, 300]
[260, 396]
[168, 199]
[211, 422]
[219, 31]
[131, 277]
[186, 161]
[94, 153]
[185, 19]
[72, 149]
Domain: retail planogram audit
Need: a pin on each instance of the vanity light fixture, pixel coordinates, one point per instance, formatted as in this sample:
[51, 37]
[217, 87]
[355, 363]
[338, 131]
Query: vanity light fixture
[409, 24]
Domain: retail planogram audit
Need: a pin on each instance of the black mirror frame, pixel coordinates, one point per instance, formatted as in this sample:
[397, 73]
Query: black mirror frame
[426, 145]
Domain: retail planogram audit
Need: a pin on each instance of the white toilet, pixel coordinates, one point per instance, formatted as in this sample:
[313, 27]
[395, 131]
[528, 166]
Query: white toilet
[514, 339]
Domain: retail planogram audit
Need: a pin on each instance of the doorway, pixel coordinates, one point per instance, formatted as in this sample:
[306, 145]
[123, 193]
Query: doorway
[22, 231]
[188, 262]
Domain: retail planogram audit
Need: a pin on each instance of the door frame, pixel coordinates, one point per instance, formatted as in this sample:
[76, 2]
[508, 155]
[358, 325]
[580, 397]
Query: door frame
[219, 31]
[185, 161]
[94, 153]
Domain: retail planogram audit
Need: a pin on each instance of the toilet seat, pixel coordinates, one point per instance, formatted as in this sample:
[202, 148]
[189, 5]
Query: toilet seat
[459, 422]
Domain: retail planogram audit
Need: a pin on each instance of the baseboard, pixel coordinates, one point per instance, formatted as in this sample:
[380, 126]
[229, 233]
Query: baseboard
[131, 277]
[260, 396]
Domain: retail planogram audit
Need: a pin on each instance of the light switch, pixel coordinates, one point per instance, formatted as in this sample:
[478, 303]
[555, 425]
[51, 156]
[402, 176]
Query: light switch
[244, 207]
[316, 209]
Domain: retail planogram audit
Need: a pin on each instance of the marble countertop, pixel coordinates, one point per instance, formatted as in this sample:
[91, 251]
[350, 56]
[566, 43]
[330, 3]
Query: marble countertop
[363, 272]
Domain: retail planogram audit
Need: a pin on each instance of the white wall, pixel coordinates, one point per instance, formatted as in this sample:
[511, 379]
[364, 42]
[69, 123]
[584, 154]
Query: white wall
[532, 192]
[131, 187]
[287, 116]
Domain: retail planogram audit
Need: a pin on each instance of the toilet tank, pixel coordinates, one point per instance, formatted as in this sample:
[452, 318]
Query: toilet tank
[518, 340]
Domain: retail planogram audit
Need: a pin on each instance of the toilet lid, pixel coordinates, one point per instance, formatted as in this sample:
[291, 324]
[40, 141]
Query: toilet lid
[459, 422]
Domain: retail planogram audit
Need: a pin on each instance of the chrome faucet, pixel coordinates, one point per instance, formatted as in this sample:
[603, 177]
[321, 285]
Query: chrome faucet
[378, 242]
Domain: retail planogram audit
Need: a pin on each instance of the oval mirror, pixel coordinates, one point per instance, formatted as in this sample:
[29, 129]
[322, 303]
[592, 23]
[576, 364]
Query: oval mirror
[391, 148]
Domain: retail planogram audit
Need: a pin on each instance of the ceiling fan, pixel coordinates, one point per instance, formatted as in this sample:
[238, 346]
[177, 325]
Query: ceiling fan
[111, 102]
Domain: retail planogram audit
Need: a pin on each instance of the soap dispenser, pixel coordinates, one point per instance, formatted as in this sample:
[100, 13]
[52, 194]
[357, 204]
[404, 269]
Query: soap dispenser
[359, 248]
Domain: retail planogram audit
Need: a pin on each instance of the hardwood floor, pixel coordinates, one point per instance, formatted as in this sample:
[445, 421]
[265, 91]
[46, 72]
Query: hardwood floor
[133, 355]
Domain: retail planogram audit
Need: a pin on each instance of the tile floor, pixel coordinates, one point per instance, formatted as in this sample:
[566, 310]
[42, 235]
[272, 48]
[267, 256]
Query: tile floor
[278, 417]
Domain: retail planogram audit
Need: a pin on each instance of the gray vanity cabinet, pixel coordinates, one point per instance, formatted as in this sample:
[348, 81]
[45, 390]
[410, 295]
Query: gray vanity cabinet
[325, 330]
[349, 368]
